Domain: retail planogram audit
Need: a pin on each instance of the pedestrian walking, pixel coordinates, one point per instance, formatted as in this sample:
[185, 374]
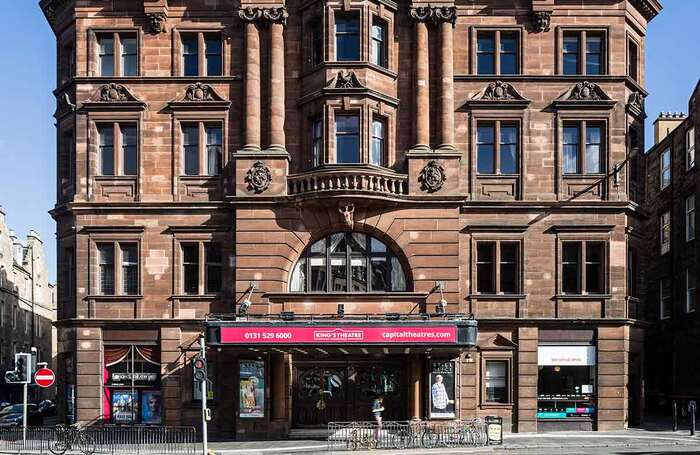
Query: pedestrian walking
[377, 408]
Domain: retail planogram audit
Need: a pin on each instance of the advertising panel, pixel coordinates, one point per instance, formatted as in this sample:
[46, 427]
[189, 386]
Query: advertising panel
[252, 388]
[442, 389]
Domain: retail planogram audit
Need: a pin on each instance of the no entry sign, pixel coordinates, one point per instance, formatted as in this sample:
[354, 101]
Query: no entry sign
[44, 377]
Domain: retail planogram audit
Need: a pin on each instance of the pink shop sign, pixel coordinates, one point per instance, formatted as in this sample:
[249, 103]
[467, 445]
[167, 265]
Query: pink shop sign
[339, 335]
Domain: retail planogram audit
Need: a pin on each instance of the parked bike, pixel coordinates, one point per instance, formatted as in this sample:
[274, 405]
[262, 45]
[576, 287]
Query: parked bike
[71, 438]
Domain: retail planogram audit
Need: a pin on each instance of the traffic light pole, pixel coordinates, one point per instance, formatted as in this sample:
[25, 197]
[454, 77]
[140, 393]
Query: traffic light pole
[25, 386]
[203, 388]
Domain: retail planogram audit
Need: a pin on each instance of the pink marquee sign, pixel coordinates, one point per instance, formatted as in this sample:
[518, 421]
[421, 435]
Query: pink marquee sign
[338, 335]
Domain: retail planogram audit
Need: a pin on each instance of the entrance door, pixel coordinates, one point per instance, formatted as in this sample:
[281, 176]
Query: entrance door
[343, 391]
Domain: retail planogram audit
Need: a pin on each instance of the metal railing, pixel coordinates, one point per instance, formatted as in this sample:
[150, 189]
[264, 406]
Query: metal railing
[406, 435]
[108, 439]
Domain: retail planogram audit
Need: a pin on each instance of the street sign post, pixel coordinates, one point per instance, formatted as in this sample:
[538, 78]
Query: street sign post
[44, 377]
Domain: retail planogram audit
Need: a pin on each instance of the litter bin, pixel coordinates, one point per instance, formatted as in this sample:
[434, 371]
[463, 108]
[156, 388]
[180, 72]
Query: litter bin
[494, 429]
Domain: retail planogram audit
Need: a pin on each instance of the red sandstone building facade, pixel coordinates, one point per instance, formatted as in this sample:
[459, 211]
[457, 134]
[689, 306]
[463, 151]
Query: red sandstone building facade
[333, 190]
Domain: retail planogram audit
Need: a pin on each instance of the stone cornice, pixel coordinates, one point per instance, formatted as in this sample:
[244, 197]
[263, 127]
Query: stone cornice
[649, 8]
[52, 9]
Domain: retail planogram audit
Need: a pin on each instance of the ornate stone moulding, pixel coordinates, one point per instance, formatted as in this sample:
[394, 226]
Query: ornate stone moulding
[114, 96]
[541, 21]
[434, 14]
[277, 14]
[584, 94]
[348, 179]
[498, 94]
[258, 177]
[156, 22]
[635, 104]
[346, 82]
[432, 177]
[200, 96]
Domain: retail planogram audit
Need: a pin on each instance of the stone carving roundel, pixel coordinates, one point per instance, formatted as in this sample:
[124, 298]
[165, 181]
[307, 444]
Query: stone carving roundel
[432, 176]
[259, 177]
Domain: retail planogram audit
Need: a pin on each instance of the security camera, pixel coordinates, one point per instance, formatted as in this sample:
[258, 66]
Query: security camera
[243, 307]
[441, 306]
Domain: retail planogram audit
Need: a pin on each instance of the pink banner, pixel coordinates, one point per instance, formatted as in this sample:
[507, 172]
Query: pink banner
[338, 335]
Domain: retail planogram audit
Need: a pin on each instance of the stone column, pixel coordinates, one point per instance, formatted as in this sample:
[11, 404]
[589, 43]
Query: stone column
[252, 78]
[414, 389]
[279, 391]
[422, 78]
[446, 16]
[277, 85]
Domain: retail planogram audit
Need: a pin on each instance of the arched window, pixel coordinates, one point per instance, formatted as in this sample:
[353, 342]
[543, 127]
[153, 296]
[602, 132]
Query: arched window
[324, 266]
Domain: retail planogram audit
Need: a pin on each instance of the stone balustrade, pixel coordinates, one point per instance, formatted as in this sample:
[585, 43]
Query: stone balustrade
[345, 178]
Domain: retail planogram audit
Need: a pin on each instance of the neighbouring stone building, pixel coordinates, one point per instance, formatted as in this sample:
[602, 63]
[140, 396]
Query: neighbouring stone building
[27, 306]
[335, 191]
[673, 340]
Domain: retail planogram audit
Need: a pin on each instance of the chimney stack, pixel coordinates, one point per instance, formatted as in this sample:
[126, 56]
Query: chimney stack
[665, 123]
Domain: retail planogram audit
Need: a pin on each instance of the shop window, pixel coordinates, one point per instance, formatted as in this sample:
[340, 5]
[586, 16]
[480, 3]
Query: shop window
[132, 391]
[201, 268]
[566, 382]
[373, 267]
[690, 218]
[665, 232]
[347, 37]
[497, 381]
[118, 258]
[378, 145]
[583, 52]
[497, 267]
[582, 147]
[690, 148]
[117, 54]
[202, 145]
[117, 149]
[665, 297]
[347, 139]
[201, 54]
[583, 267]
[316, 142]
[497, 156]
[633, 60]
[665, 168]
[689, 290]
[379, 42]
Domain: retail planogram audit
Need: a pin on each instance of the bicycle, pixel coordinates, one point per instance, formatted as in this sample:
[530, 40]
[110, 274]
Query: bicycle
[448, 436]
[362, 439]
[473, 434]
[405, 437]
[69, 438]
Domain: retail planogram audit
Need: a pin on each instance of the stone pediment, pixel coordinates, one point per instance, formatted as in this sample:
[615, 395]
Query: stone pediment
[497, 341]
[344, 80]
[113, 96]
[498, 93]
[200, 96]
[584, 94]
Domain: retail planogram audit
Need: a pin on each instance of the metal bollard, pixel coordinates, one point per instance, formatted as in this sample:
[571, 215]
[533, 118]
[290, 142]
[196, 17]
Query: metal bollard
[674, 407]
[691, 409]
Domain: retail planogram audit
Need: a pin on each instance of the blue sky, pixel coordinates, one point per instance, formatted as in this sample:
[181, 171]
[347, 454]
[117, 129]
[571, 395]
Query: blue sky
[27, 134]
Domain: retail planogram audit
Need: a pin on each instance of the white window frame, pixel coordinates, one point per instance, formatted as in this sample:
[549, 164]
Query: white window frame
[665, 241]
[690, 218]
[663, 169]
[690, 291]
[661, 299]
[690, 148]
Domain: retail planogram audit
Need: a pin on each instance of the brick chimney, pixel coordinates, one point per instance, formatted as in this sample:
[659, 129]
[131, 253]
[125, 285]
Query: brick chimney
[665, 123]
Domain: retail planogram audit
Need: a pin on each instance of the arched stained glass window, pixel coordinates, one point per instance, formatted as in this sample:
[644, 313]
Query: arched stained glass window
[348, 262]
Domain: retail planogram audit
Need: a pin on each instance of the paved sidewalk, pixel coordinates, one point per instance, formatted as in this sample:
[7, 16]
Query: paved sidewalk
[631, 441]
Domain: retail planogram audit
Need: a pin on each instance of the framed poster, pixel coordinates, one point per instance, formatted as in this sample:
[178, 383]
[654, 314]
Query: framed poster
[125, 406]
[152, 407]
[442, 389]
[251, 388]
